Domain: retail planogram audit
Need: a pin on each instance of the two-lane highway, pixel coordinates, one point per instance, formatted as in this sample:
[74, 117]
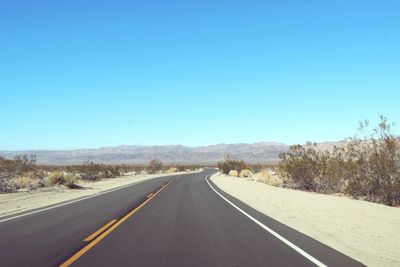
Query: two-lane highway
[170, 221]
[48, 237]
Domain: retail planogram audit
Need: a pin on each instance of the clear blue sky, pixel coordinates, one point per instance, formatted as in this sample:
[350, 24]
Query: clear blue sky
[77, 74]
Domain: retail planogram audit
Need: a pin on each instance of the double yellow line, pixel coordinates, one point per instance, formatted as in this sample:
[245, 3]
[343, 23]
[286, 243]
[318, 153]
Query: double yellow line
[100, 234]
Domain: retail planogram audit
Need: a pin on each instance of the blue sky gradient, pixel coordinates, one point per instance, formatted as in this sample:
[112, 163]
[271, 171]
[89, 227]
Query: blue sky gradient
[78, 74]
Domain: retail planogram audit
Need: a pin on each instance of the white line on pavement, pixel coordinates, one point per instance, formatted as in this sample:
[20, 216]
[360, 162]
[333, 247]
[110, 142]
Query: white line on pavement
[269, 230]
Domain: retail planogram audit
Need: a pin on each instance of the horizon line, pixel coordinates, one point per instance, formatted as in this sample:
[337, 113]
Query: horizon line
[163, 145]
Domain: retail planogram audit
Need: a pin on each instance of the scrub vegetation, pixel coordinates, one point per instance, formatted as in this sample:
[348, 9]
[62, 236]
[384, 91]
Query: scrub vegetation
[22, 173]
[258, 172]
[365, 167]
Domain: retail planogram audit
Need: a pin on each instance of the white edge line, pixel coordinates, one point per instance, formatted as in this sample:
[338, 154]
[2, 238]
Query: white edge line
[281, 238]
[74, 201]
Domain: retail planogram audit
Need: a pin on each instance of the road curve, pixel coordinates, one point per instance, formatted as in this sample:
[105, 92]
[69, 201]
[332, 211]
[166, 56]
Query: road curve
[169, 221]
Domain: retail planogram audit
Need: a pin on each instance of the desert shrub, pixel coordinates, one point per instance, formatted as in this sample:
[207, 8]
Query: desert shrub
[55, 178]
[24, 163]
[367, 167]
[256, 168]
[189, 168]
[18, 165]
[230, 164]
[374, 164]
[245, 173]
[172, 170]
[301, 166]
[27, 180]
[155, 166]
[138, 169]
[63, 178]
[5, 185]
[181, 168]
[10, 169]
[92, 171]
[314, 170]
[124, 168]
[22, 172]
[334, 171]
[233, 173]
[268, 177]
[70, 180]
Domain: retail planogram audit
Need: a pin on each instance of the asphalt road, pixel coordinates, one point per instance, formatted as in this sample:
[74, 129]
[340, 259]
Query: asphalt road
[169, 221]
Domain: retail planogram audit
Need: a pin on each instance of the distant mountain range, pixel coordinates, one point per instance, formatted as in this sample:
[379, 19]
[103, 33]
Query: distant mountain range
[265, 152]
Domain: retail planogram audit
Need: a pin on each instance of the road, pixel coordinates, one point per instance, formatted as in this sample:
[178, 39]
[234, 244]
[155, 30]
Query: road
[168, 221]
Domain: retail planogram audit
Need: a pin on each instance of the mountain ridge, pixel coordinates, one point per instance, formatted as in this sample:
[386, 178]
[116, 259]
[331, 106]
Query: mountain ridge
[260, 152]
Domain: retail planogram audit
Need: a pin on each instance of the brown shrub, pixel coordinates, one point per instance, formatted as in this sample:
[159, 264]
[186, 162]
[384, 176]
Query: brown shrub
[155, 166]
[245, 173]
[230, 164]
[367, 167]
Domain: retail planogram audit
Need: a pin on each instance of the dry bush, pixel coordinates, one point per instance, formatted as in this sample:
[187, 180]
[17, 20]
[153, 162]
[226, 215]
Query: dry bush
[5, 186]
[183, 168]
[367, 167]
[233, 173]
[22, 172]
[302, 167]
[29, 180]
[230, 164]
[63, 178]
[374, 164]
[70, 180]
[55, 178]
[172, 170]
[21, 182]
[246, 173]
[93, 172]
[155, 166]
[256, 168]
[268, 177]
[10, 169]
[138, 169]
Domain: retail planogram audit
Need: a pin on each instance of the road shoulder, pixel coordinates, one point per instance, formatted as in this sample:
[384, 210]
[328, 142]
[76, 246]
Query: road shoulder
[15, 204]
[339, 222]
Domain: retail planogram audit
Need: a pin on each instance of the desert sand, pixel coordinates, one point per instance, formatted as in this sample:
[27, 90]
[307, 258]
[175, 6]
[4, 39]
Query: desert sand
[23, 201]
[365, 231]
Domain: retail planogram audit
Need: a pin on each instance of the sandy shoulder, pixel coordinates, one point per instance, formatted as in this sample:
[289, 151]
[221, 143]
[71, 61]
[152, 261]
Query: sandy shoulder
[23, 201]
[367, 232]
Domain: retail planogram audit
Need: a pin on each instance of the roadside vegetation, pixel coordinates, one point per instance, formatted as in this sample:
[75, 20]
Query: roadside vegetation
[155, 166]
[365, 167]
[22, 173]
[261, 173]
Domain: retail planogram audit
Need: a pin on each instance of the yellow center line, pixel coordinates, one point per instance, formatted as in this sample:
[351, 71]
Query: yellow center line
[150, 195]
[98, 232]
[109, 230]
